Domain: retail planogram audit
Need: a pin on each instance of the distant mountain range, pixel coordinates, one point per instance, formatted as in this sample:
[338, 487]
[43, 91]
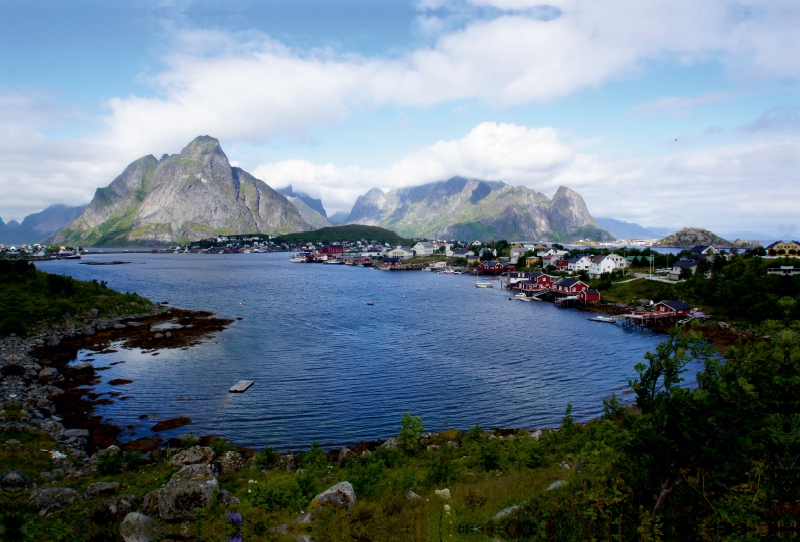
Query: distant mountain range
[184, 197]
[461, 208]
[626, 230]
[310, 209]
[36, 227]
[338, 218]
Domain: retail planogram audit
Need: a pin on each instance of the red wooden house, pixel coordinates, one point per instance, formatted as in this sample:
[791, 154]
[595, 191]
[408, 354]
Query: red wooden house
[570, 286]
[391, 262]
[331, 249]
[589, 296]
[674, 308]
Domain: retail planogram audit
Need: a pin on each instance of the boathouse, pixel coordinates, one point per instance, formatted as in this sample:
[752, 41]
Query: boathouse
[390, 262]
[589, 296]
[678, 308]
[570, 286]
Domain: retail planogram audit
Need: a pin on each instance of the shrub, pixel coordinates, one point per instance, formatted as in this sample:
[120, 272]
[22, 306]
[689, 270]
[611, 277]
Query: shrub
[410, 430]
[442, 470]
[277, 492]
[110, 463]
[490, 454]
[266, 457]
[220, 446]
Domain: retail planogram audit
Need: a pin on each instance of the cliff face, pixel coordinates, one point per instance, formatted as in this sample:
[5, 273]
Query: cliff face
[185, 197]
[690, 237]
[468, 208]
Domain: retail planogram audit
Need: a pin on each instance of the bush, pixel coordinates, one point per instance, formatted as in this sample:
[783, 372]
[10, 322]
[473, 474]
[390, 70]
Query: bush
[367, 475]
[314, 459]
[110, 463]
[410, 429]
[442, 470]
[277, 492]
[266, 457]
[490, 454]
[220, 446]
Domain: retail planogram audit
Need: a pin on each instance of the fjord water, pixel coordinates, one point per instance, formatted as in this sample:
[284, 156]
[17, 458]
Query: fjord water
[329, 368]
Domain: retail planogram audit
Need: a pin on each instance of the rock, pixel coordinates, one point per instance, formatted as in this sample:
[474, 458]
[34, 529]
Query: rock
[506, 512]
[557, 483]
[158, 336]
[226, 498]
[392, 443]
[344, 453]
[565, 465]
[14, 482]
[452, 444]
[116, 508]
[83, 366]
[120, 326]
[434, 447]
[230, 462]
[53, 340]
[193, 456]
[81, 433]
[88, 330]
[288, 462]
[48, 374]
[100, 489]
[45, 500]
[341, 495]
[190, 488]
[411, 496]
[537, 434]
[137, 527]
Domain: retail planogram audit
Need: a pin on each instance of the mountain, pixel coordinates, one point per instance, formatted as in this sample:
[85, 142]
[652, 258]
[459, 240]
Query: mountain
[315, 204]
[310, 215]
[625, 230]
[38, 226]
[689, 237]
[462, 208]
[184, 197]
[338, 218]
[350, 232]
[660, 231]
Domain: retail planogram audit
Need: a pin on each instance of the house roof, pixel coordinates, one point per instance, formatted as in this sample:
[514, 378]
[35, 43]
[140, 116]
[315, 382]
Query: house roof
[699, 249]
[462, 252]
[425, 244]
[591, 292]
[576, 259]
[676, 305]
[685, 264]
[566, 283]
[391, 260]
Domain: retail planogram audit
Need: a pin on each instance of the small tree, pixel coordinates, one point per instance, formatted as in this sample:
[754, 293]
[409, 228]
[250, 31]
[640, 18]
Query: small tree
[410, 430]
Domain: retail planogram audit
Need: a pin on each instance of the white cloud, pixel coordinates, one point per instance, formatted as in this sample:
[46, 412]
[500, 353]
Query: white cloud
[716, 187]
[680, 106]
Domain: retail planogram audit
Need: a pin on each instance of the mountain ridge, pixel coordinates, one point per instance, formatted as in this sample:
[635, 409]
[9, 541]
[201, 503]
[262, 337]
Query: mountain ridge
[472, 208]
[179, 198]
[36, 227]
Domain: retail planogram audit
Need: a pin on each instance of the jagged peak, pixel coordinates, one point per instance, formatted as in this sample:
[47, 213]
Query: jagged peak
[203, 145]
[565, 192]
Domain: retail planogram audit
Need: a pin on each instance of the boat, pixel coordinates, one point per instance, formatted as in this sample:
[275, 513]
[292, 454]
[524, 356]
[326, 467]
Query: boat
[484, 284]
[302, 257]
[606, 319]
[523, 297]
[241, 386]
[369, 303]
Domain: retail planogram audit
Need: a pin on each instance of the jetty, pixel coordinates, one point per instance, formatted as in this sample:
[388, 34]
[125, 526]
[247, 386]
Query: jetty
[241, 386]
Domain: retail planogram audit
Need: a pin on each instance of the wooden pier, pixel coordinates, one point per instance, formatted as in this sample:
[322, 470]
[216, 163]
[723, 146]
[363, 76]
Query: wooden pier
[241, 386]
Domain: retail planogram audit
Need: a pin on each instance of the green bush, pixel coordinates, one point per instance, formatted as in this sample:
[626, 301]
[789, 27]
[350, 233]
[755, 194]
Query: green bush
[410, 429]
[110, 463]
[266, 457]
[277, 492]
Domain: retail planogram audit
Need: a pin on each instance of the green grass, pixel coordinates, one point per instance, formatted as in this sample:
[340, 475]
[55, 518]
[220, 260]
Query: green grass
[31, 300]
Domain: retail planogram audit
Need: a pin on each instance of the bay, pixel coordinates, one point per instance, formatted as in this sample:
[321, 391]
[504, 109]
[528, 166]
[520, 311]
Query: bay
[329, 368]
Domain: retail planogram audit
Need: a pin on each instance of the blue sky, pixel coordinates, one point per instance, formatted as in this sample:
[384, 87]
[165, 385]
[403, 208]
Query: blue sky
[667, 114]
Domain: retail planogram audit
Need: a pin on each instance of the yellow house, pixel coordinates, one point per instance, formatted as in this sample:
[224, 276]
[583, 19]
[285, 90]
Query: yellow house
[779, 247]
[530, 261]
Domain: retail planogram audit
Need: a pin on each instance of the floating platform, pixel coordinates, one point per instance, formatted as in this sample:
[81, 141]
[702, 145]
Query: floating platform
[241, 386]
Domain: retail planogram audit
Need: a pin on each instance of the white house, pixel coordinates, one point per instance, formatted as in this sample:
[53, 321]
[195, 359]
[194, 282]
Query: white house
[552, 252]
[579, 263]
[606, 264]
[424, 248]
[459, 253]
[400, 252]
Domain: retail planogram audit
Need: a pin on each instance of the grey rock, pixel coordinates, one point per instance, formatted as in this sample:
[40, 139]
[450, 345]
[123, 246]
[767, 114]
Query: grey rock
[88, 330]
[392, 443]
[288, 462]
[137, 527]
[557, 483]
[14, 482]
[83, 366]
[116, 508]
[230, 462]
[100, 489]
[81, 433]
[48, 374]
[192, 487]
[308, 517]
[344, 453]
[411, 496]
[224, 497]
[506, 512]
[45, 500]
[193, 456]
[537, 434]
[341, 495]
[158, 336]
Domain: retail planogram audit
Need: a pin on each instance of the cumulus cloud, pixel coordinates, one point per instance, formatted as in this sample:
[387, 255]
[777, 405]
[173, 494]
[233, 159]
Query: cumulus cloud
[716, 187]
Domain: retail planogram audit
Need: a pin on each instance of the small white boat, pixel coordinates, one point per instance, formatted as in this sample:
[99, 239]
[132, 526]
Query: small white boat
[523, 297]
[241, 386]
[606, 319]
[484, 284]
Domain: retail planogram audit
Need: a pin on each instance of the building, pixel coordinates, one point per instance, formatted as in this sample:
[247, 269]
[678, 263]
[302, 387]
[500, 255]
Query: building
[679, 266]
[424, 248]
[787, 270]
[537, 282]
[331, 249]
[705, 250]
[678, 308]
[390, 262]
[459, 253]
[577, 264]
[569, 286]
[601, 264]
[779, 247]
[515, 277]
[400, 252]
[589, 296]
[530, 261]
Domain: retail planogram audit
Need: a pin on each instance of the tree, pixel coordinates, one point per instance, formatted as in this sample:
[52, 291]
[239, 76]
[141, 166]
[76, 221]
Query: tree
[410, 429]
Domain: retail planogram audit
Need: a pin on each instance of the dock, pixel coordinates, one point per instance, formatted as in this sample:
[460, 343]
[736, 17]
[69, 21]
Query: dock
[241, 386]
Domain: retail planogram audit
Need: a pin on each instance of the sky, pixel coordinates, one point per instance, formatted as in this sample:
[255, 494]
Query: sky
[678, 113]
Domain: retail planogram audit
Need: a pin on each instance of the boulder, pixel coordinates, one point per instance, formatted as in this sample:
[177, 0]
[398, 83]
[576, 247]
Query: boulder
[88, 330]
[45, 500]
[193, 456]
[506, 512]
[190, 488]
[411, 496]
[341, 495]
[537, 434]
[13, 481]
[344, 453]
[557, 483]
[48, 374]
[288, 462]
[224, 497]
[83, 366]
[230, 462]
[116, 508]
[100, 489]
[137, 527]
[80, 433]
[392, 443]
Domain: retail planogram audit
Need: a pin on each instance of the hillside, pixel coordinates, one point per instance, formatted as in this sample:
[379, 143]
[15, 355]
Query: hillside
[349, 232]
[184, 197]
[38, 226]
[689, 237]
[462, 208]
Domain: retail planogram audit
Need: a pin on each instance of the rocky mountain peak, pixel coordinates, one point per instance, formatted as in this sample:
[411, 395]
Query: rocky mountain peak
[202, 145]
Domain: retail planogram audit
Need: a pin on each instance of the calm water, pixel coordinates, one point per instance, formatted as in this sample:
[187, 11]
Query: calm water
[329, 368]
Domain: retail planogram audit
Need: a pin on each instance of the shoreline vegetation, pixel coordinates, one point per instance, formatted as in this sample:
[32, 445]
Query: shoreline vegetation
[703, 463]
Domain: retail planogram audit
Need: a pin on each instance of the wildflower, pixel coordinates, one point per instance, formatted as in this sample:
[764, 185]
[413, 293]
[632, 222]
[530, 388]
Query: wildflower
[235, 538]
[443, 493]
[249, 490]
[447, 509]
[251, 481]
[233, 518]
